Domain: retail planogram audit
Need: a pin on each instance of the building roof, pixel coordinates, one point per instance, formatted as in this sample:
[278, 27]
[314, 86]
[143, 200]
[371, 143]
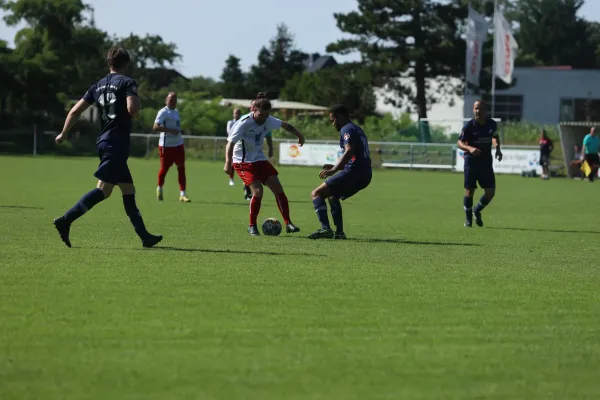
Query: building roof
[276, 105]
[316, 62]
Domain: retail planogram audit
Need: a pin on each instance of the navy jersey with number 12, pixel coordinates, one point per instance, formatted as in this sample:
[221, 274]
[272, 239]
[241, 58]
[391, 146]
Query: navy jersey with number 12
[361, 160]
[110, 95]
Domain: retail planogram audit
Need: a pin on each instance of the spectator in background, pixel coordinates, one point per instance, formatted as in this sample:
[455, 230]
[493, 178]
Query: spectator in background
[546, 147]
[236, 117]
[591, 147]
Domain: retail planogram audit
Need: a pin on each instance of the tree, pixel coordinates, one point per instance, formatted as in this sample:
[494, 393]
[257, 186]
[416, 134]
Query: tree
[233, 79]
[280, 62]
[150, 51]
[551, 33]
[345, 83]
[419, 39]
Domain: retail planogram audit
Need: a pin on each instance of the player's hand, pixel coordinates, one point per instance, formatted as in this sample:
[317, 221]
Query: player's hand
[228, 168]
[270, 153]
[301, 139]
[499, 155]
[326, 172]
[327, 166]
[60, 138]
[474, 151]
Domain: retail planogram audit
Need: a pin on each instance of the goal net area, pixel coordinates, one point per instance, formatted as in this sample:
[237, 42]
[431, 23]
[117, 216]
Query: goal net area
[571, 140]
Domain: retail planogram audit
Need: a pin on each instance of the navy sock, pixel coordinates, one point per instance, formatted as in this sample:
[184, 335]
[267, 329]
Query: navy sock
[134, 215]
[321, 209]
[336, 214]
[483, 202]
[89, 200]
[468, 206]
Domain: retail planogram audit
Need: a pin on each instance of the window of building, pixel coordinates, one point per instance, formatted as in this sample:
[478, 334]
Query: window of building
[508, 107]
[579, 109]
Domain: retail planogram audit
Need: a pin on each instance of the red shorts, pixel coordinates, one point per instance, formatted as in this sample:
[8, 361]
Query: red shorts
[255, 171]
[170, 155]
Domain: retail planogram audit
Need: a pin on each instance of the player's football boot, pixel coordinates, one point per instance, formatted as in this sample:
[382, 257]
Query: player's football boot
[151, 240]
[478, 219]
[468, 224]
[339, 236]
[63, 227]
[291, 228]
[322, 234]
[159, 195]
[253, 230]
[184, 199]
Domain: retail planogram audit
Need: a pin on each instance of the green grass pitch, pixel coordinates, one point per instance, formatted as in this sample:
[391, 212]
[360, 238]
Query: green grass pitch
[413, 306]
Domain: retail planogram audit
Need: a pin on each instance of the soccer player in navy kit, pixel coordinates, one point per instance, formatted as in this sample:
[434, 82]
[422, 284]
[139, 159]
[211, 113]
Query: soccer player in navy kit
[476, 140]
[355, 174]
[117, 100]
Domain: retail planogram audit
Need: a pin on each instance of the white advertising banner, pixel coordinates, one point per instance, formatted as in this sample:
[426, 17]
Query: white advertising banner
[513, 161]
[309, 154]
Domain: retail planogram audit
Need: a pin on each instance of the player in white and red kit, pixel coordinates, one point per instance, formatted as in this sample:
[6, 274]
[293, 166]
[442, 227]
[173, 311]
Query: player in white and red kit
[244, 154]
[170, 146]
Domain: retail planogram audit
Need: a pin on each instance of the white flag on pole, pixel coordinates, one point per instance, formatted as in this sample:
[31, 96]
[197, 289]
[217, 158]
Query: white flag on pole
[505, 50]
[477, 28]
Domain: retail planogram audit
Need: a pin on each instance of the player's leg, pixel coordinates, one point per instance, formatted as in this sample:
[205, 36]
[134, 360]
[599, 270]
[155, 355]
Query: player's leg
[336, 214]
[179, 158]
[318, 196]
[247, 193]
[248, 173]
[470, 179]
[488, 182]
[257, 191]
[63, 224]
[132, 211]
[282, 201]
[166, 160]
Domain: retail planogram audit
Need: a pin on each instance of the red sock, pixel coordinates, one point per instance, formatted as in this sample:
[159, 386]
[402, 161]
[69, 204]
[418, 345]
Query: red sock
[181, 176]
[254, 209]
[284, 207]
[162, 174]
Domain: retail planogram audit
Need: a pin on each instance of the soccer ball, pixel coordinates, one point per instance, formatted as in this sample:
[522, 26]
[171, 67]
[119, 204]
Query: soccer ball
[271, 227]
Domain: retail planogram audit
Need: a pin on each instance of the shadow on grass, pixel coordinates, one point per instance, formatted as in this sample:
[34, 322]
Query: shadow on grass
[243, 203]
[397, 241]
[23, 207]
[258, 253]
[542, 230]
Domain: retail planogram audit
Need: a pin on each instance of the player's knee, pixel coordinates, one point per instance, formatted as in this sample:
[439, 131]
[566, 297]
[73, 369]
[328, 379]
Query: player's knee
[469, 192]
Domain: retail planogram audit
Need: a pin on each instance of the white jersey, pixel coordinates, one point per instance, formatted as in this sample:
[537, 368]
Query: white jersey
[169, 119]
[249, 137]
[230, 125]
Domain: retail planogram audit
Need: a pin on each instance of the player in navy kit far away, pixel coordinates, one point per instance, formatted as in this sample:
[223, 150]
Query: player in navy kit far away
[476, 140]
[354, 174]
[117, 100]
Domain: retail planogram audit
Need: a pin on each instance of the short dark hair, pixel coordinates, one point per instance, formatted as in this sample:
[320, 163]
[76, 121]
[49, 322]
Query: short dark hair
[340, 110]
[262, 102]
[117, 57]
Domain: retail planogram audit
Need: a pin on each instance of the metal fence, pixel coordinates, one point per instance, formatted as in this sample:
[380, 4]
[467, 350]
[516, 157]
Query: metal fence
[409, 155]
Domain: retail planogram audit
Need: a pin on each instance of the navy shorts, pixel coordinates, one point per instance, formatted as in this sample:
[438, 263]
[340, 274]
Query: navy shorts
[113, 166]
[544, 160]
[346, 184]
[484, 175]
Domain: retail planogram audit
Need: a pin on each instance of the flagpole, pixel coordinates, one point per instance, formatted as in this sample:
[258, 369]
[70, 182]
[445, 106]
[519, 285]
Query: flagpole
[494, 61]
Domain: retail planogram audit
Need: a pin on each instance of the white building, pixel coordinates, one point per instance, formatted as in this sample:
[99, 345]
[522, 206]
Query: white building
[546, 95]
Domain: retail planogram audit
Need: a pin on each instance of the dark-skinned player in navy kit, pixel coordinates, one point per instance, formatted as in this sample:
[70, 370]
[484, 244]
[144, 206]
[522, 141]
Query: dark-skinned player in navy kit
[117, 100]
[476, 140]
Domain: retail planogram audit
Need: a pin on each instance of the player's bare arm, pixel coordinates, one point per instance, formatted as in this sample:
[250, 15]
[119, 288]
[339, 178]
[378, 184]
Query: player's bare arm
[270, 145]
[228, 158]
[160, 128]
[133, 105]
[465, 147]
[72, 117]
[347, 156]
[496, 143]
[293, 130]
